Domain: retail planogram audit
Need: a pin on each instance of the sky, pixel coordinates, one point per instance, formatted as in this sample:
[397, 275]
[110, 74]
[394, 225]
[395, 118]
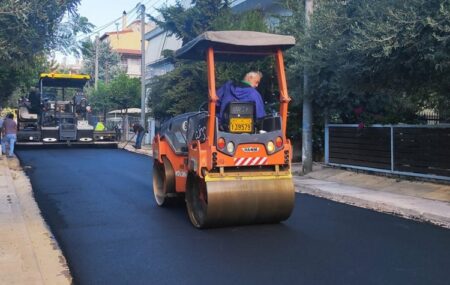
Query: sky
[100, 12]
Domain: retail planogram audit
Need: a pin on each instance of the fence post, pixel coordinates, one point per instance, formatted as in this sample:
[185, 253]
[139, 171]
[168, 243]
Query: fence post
[327, 146]
[392, 148]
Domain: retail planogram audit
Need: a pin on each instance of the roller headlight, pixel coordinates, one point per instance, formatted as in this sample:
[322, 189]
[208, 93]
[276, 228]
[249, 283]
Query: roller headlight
[270, 147]
[230, 147]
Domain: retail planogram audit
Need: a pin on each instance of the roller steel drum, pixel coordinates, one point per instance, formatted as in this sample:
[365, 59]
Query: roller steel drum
[214, 202]
[163, 182]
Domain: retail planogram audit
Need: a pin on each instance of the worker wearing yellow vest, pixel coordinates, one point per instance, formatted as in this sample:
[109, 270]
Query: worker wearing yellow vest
[100, 126]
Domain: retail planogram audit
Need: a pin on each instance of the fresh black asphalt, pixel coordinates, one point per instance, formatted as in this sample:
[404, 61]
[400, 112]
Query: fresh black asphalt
[99, 205]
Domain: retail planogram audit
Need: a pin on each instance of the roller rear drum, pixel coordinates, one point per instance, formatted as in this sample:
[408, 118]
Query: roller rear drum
[163, 183]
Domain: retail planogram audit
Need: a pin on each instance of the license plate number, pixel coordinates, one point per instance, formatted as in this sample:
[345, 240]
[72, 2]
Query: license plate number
[241, 125]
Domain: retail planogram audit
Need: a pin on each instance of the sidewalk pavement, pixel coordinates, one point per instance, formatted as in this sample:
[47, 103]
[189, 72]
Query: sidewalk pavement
[417, 200]
[29, 253]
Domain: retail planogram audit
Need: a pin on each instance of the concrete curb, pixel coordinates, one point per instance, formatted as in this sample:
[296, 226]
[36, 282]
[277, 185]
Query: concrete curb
[414, 208]
[31, 255]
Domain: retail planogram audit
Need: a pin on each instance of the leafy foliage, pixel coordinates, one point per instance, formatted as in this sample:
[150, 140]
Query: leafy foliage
[30, 29]
[125, 91]
[66, 41]
[188, 23]
[17, 81]
[30, 26]
[122, 92]
[100, 100]
[173, 93]
[388, 58]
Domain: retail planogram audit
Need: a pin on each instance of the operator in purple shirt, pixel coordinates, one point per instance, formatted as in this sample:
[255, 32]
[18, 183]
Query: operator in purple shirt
[245, 91]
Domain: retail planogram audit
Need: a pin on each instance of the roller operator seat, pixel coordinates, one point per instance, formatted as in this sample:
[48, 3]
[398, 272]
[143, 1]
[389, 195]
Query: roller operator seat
[242, 93]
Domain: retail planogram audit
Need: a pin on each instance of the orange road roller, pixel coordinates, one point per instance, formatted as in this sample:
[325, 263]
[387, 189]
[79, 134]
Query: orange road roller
[233, 170]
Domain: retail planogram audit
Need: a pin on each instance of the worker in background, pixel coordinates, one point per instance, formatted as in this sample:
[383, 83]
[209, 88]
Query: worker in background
[9, 131]
[100, 126]
[118, 130]
[139, 130]
[244, 91]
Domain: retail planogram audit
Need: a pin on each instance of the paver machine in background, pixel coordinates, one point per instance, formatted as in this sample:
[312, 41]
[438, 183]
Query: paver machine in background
[232, 171]
[57, 114]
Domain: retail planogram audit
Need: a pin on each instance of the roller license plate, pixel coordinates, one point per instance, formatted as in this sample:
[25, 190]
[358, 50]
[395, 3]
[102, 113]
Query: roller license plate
[241, 125]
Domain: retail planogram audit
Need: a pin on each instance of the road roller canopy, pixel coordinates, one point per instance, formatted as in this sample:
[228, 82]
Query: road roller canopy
[63, 80]
[235, 45]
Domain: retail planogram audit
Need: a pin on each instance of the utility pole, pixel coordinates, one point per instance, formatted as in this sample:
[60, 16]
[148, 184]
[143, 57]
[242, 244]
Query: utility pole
[143, 65]
[307, 104]
[96, 62]
[106, 72]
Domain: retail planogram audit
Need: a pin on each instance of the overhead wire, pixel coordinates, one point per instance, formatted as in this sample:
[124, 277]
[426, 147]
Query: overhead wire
[133, 14]
[137, 15]
[104, 26]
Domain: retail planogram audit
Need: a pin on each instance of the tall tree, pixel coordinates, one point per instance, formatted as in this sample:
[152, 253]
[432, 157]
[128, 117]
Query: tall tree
[100, 100]
[187, 23]
[30, 26]
[125, 91]
[389, 58]
[108, 60]
[66, 34]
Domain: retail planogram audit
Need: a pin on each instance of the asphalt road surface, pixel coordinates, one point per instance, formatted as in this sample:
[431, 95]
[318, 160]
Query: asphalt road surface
[99, 205]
